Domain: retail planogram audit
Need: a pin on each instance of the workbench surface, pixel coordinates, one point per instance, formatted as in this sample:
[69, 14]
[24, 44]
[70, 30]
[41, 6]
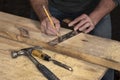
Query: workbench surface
[22, 68]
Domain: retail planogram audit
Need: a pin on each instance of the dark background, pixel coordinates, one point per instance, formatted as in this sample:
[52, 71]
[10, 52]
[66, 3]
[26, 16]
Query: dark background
[22, 8]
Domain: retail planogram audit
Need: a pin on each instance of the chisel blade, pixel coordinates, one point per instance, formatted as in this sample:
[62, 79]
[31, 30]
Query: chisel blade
[62, 65]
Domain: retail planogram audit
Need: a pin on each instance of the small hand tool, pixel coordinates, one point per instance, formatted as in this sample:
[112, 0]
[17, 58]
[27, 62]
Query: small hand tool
[43, 69]
[62, 38]
[51, 21]
[40, 54]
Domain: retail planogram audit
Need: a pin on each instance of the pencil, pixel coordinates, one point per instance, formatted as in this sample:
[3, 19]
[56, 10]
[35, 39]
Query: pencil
[51, 21]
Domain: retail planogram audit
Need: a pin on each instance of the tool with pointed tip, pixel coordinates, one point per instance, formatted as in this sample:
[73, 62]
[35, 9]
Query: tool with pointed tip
[43, 69]
[64, 37]
[40, 54]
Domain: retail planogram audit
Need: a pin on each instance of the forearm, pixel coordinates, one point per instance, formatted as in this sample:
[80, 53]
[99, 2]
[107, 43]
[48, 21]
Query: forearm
[103, 8]
[38, 7]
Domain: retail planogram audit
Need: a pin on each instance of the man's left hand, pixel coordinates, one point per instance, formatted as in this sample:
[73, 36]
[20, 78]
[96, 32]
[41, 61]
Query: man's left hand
[83, 23]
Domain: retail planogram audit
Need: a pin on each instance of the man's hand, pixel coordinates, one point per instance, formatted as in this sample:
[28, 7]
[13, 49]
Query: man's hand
[46, 26]
[87, 23]
[83, 23]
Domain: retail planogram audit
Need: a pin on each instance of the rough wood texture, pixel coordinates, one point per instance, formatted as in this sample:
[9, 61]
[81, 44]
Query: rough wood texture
[22, 68]
[93, 49]
[90, 48]
[29, 25]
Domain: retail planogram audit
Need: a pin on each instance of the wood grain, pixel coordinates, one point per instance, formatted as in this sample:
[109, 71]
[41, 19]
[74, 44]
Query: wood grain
[26, 23]
[93, 49]
[22, 68]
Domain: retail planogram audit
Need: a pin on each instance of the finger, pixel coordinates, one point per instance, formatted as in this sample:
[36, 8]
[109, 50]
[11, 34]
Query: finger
[92, 26]
[77, 20]
[84, 27]
[50, 29]
[56, 20]
[48, 32]
[43, 26]
[57, 27]
[57, 24]
[49, 26]
[53, 19]
[80, 24]
[42, 29]
[89, 29]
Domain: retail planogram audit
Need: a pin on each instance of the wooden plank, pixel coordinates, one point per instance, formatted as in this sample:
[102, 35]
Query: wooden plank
[93, 49]
[27, 24]
[86, 47]
[22, 68]
[74, 50]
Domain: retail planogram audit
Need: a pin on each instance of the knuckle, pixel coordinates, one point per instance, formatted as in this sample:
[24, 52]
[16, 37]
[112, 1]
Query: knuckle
[92, 25]
[87, 24]
[77, 19]
[91, 28]
[85, 15]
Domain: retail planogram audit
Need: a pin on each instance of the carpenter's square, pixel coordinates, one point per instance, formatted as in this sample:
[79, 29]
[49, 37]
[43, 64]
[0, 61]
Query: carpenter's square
[62, 38]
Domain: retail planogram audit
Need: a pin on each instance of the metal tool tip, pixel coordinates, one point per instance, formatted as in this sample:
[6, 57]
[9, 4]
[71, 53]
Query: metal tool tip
[70, 69]
[14, 54]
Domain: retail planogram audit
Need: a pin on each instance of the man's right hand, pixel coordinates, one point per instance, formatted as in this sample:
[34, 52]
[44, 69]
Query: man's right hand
[46, 26]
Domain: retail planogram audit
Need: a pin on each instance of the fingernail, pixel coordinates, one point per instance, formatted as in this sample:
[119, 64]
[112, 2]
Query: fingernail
[80, 30]
[75, 29]
[69, 25]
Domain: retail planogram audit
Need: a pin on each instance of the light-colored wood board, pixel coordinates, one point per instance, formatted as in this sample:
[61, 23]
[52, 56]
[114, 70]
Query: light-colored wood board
[22, 68]
[27, 24]
[6, 27]
[90, 52]
[93, 49]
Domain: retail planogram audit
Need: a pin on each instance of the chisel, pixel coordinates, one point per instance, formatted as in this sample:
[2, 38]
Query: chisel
[40, 54]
